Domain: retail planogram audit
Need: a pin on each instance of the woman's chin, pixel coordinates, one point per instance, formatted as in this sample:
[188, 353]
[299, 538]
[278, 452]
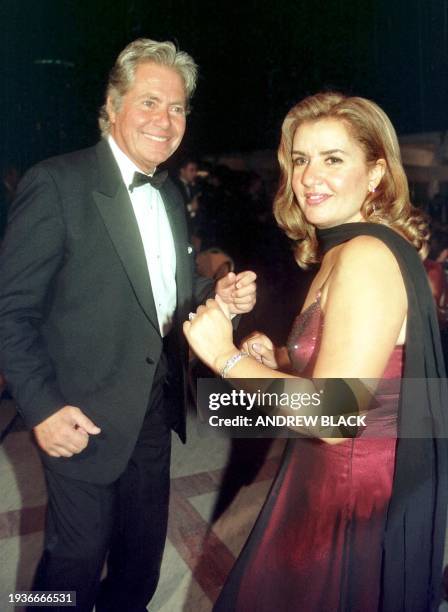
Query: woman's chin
[320, 223]
[323, 223]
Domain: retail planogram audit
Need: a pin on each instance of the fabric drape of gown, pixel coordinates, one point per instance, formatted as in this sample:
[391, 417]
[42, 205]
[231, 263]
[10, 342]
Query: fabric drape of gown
[317, 544]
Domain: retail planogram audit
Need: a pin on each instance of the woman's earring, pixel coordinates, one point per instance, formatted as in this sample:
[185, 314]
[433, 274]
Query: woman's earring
[372, 189]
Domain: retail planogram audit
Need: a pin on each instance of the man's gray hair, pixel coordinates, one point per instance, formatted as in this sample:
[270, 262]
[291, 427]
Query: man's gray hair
[139, 51]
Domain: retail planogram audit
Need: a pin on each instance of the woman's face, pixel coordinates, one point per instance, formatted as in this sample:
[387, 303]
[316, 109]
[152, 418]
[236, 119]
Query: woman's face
[331, 178]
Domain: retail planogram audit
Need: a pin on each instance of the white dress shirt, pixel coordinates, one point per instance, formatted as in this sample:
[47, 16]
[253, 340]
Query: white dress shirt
[157, 239]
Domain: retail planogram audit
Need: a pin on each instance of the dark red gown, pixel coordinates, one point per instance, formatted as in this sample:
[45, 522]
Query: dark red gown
[317, 544]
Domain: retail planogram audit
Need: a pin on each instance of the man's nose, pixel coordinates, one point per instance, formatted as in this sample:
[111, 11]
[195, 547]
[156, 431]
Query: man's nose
[162, 117]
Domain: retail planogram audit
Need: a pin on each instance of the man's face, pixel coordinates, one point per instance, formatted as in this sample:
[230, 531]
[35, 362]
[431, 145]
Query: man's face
[150, 122]
[189, 172]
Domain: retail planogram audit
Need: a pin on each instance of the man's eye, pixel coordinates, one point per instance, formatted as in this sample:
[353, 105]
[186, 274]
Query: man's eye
[177, 110]
[149, 103]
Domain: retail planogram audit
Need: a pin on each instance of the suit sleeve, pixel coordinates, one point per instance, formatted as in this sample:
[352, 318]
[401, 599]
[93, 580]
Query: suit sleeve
[204, 288]
[31, 255]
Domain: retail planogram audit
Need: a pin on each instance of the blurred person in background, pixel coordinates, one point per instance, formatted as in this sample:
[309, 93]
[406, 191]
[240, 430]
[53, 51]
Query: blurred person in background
[190, 191]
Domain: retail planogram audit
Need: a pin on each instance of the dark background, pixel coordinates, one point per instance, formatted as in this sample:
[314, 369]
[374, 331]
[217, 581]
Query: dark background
[256, 60]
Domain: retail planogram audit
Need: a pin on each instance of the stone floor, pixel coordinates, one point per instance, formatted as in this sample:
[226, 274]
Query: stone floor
[197, 557]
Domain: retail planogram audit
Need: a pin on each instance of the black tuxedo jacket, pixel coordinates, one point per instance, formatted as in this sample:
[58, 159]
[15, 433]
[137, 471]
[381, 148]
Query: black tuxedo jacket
[78, 324]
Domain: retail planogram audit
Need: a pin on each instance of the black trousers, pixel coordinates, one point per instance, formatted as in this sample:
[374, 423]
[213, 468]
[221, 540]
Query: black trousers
[127, 519]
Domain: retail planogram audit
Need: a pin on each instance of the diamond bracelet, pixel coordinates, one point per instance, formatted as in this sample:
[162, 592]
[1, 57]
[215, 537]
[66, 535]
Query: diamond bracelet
[231, 362]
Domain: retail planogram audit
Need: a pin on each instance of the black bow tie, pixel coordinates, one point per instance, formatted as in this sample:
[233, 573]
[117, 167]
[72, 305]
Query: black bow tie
[143, 179]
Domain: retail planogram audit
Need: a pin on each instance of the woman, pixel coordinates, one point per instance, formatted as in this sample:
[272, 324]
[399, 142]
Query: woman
[357, 524]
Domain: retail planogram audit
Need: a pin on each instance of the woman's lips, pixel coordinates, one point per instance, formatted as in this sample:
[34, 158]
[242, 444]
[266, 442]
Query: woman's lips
[314, 199]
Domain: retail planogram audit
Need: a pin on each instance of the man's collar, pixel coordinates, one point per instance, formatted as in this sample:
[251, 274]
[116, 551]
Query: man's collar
[126, 165]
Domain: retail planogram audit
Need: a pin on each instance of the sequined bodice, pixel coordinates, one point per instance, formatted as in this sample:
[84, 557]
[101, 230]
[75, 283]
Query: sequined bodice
[304, 339]
[304, 342]
[303, 347]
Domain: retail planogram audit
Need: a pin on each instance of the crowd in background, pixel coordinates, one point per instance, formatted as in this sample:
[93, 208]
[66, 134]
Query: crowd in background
[227, 209]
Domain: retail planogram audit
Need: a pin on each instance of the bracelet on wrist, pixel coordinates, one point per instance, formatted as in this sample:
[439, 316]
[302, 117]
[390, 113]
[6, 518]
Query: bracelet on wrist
[232, 362]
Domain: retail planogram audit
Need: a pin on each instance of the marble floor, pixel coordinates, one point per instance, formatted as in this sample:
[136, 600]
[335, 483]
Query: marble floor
[217, 489]
[197, 558]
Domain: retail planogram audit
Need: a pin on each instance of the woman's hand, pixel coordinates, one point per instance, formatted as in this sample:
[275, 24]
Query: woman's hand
[210, 334]
[261, 348]
[238, 291]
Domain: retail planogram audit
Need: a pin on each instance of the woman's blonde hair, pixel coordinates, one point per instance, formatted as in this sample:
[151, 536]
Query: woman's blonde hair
[373, 131]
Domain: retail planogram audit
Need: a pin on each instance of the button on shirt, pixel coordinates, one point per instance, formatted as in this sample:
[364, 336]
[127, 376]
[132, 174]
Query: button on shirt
[157, 239]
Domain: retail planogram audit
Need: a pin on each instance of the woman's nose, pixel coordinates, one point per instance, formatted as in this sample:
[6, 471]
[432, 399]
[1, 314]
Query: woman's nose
[311, 175]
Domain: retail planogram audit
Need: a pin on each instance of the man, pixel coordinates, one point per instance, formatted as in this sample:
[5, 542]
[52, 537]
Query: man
[190, 191]
[96, 277]
[188, 171]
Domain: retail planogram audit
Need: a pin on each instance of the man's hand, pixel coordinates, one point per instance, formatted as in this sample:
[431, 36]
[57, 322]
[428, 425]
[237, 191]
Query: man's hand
[65, 433]
[238, 291]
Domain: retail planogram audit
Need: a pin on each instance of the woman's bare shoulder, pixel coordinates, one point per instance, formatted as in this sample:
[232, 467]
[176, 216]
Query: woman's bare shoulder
[364, 262]
[365, 285]
[364, 248]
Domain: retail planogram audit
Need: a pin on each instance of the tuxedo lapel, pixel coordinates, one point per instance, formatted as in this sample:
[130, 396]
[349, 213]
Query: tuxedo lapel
[114, 205]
